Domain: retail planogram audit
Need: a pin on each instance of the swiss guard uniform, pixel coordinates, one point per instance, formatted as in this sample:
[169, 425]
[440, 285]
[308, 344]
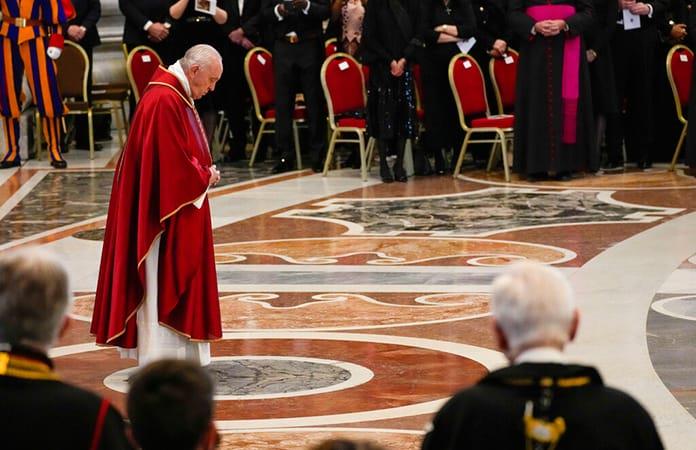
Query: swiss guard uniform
[25, 30]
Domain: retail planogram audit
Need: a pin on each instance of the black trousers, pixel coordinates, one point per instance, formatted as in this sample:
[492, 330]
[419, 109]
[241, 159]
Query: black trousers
[235, 96]
[633, 56]
[298, 65]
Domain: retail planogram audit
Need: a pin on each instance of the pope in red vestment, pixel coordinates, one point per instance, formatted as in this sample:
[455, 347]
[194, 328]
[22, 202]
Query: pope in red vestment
[161, 179]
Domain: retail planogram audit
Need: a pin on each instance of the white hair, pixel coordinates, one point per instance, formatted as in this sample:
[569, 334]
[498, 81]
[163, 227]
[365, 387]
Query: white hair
[34, 297]
[533, 303]
[201, 55]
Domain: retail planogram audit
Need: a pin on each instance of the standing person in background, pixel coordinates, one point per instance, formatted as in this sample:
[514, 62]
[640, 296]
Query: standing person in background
[633, 49]
[27, 31]
[599, 57]
[243, 33]
[346, 25]
[297, 57]
[83, 31]
[448, 26]
[148, 23]
[193, 27]
[554, 127]
[391, 43]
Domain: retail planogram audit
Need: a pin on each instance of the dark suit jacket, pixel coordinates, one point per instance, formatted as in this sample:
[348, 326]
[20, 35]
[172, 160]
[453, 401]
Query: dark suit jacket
[249, 20]
[303, 24]
[88, 14]
[137, 13]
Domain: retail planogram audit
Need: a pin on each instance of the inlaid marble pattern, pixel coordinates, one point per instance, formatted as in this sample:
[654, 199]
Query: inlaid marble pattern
[304, 439]
[332, 311]
[478, 213]
[388, 251]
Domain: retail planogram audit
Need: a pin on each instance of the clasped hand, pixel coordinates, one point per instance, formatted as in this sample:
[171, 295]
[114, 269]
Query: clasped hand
[398, 67]
[550, 27]
[214, 176]
[637, 8]
[296, 5]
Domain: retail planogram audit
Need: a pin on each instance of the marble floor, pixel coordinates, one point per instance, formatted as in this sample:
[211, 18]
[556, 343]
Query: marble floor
[356, 308]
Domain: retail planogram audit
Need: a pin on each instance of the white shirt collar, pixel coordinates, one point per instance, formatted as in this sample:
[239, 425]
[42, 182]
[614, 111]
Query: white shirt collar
[177, 70]
[541, 355]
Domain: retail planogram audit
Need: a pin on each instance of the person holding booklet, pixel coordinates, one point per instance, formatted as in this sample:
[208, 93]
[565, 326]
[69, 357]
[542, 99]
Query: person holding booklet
[449, 27]
[554, 125]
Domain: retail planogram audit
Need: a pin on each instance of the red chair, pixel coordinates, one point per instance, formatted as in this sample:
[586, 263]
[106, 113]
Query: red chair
[680, 62]
[141, 64]
[469, 89]
[330, 47]
[258, 68]
[418, 82]
[503, 72]
[344, 89]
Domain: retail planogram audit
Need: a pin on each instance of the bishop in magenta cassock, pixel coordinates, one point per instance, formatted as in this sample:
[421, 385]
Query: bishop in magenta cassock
[157, 291]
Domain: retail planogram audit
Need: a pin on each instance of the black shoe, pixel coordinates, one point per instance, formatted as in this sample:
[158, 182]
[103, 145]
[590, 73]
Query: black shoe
[59, 163]
[400, 175]
[284, 165]
[691, 171]
[612, 166]
[644, 164]
[9, 164]
[563, 176]
[537, 176]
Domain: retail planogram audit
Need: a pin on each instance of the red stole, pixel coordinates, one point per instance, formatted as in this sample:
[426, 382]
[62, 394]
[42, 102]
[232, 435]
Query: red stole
[163, 169]
[570, 85]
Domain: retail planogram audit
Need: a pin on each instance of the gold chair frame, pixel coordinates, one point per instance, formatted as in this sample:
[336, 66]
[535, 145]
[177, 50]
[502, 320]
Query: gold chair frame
[503, 135]
[677, 101]
[266, 122]
[366, 152]
[494, 80]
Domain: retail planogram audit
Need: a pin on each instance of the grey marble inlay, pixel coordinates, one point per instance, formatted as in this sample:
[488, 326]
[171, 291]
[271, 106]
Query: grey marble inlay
[66, 198]
[59, 199]
[673, 354]
[353, 278]
[91, 235]
[273, 376]
[478, 213]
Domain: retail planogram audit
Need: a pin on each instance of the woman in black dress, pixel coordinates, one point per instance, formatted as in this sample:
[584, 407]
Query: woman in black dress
[195, 27]
[446, 25]
[390, 44]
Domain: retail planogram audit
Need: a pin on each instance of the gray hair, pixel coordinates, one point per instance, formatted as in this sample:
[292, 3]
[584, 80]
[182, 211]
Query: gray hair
[533, 303]
[34, 297]
[201, 55]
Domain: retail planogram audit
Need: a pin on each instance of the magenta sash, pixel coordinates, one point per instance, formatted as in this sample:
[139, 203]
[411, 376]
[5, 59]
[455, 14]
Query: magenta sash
[570, 90]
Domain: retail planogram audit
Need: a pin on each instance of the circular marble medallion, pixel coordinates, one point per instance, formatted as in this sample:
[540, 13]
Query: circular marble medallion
[269, 377]
[678, 307]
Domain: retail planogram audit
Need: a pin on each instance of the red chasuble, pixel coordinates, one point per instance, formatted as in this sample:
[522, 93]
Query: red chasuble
[163, 170]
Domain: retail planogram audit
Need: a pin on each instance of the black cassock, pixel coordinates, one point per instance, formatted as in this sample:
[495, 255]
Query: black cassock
[538, 145]
[490, 415]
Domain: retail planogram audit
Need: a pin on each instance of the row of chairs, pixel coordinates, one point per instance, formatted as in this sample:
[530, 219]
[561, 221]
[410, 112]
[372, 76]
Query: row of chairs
[343, 80]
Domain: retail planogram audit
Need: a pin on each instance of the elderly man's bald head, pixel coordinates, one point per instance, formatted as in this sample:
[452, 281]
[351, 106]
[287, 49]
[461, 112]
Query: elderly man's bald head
[202, 65]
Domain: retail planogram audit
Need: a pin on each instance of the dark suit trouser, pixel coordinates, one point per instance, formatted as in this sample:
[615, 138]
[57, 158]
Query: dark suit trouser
[633, 57]
[299, 65]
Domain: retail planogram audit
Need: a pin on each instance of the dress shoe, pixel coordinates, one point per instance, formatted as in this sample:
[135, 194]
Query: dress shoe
[563, 176]
[59, 164]
[400, 175]
[9, 164]
[284, 165]
[318, 166]
[612, 166]
[644, 164]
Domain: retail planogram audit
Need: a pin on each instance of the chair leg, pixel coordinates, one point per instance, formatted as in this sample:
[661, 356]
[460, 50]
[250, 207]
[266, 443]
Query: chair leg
[503, 150]
[124, 116]
[120, 127]
[90, 130]
[329, 153]
[363, 156]
[370, 153]
[491, 157]
[296, 135]
[257, 143]
[462, 152]
[677, 151]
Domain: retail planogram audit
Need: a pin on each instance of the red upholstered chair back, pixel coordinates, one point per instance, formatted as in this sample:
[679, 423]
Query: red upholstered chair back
[258, 67]
[468, 87]
[343, 83]
[141, 65]
[330, 47]
[680, 61]
[503, 73]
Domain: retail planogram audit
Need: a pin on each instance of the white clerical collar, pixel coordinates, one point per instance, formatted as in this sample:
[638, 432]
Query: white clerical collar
[541, 355]
[177, 70]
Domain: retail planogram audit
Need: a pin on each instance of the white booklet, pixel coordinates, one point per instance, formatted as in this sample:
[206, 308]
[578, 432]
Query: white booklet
[466, 45]
[206, 6]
